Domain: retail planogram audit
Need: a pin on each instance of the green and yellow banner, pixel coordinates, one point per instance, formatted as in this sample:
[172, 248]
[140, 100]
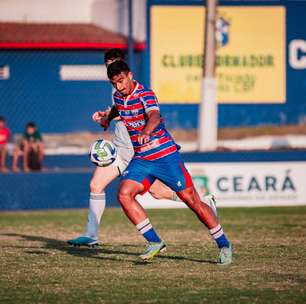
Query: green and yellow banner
[250, 56]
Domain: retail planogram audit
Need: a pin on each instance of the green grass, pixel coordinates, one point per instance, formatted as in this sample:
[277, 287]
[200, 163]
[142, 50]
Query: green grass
[269, 262]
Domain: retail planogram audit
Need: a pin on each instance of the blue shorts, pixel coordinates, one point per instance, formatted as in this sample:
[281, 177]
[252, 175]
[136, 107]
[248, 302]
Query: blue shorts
[170, 170]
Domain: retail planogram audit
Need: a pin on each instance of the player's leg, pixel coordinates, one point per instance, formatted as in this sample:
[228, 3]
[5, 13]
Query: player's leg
[206, 215]
[102, 177]
[160, 191]
[174, 174]
[135, 181]
[128, 190]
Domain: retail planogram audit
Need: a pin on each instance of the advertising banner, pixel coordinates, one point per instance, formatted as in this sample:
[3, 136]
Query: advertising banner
[251, 55]
[245, 184]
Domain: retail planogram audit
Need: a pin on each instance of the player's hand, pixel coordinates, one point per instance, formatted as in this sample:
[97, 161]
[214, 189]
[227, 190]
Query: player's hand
[101, 117]
[97, 116]
[143, 138]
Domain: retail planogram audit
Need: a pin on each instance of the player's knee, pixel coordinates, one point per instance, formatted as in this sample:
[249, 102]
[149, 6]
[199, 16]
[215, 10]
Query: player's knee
[186, 195]
[95, 187]
[124, 195]
[189, 197]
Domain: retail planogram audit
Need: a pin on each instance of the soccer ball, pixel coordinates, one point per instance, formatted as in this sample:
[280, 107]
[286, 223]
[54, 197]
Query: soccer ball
[102, 153]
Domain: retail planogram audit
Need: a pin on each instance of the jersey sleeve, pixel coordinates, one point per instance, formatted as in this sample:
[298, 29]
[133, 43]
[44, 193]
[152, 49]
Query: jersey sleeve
[149, 101]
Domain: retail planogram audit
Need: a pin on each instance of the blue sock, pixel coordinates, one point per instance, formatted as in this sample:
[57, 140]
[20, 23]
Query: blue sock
[219, 236]
[148, 232]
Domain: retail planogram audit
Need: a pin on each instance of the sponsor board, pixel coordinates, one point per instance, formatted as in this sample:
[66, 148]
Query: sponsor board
[251, 54]
[244, 184]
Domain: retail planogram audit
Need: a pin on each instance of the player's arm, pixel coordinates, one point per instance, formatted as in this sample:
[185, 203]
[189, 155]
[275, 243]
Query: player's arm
[113, 113]
[151, 107]
[103, 118]
[152, 122]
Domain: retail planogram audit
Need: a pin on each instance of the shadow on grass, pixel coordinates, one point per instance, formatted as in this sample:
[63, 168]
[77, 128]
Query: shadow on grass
[62, 246]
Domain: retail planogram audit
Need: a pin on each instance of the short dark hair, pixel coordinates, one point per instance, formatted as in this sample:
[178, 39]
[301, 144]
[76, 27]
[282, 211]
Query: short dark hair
[31, 124]
[113, 54]
[116, 68]
[2, 119]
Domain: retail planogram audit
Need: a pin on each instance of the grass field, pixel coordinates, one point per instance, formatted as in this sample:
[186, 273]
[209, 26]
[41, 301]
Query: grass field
[269, 263]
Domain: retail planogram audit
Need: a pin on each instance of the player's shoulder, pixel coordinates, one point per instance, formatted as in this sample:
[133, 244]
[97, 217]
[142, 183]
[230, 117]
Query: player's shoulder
[144, 91]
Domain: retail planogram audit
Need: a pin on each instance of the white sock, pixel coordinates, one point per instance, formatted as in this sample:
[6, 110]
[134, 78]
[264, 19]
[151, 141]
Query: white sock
[96, 209]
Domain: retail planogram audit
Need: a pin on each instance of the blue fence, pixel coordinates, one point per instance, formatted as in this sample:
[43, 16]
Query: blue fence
[35, 92]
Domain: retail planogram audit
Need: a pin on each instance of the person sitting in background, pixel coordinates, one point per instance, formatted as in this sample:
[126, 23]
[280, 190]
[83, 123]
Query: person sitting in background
[4, 137]
[31, 148]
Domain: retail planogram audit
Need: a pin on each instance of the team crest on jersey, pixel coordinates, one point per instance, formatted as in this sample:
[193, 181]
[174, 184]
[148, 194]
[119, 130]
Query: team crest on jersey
[124, 173]
[222, 31]
[179, 184]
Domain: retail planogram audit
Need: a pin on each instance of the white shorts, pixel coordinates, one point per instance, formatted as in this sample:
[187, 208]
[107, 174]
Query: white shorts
[123, 158]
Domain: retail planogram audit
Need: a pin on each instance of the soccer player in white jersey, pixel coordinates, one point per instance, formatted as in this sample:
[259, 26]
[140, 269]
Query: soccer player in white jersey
[103, 176]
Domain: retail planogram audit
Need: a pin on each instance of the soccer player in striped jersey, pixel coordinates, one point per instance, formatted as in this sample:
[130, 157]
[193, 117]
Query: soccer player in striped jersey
[103, 176]
[156, 157]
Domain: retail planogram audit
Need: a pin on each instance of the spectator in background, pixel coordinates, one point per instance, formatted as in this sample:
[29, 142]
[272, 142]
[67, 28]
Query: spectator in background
[4, 137]
[31, 148]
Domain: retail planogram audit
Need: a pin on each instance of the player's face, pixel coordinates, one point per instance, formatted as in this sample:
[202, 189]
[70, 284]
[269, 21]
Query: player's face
[2, 124]
[123, 83]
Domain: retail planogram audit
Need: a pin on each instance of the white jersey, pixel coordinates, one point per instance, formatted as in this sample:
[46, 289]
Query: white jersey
[123, 144]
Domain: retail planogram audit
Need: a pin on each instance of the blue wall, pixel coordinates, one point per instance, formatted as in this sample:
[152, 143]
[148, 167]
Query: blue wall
[35, 92]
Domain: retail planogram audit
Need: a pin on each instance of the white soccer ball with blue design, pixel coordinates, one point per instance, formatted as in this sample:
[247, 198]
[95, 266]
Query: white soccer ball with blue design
[102, 153]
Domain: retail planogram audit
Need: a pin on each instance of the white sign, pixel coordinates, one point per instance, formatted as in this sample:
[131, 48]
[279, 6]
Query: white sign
[245, 184]
[297, 54]
[83, 72]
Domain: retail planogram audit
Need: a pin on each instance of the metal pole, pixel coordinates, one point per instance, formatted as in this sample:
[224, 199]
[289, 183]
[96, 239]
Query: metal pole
[208, 114]
[130, 35]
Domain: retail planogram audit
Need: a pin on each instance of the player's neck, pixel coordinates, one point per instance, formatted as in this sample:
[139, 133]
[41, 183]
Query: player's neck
[132, 88]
